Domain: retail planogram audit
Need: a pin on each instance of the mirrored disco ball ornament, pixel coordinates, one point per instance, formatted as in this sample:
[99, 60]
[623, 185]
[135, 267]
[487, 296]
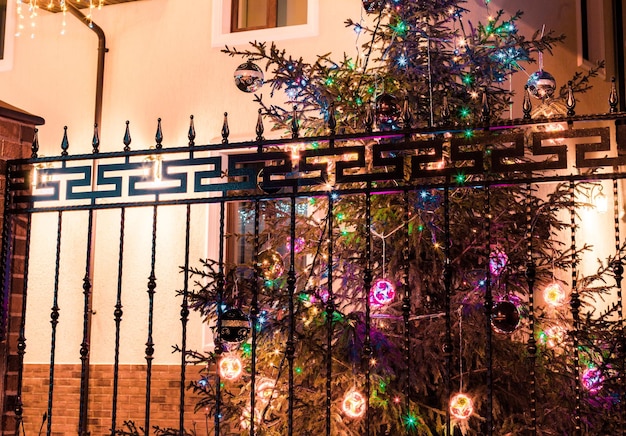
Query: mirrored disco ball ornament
[387, 112]
[353, 404]
[498, 260]
[298, 244]
[461, 406]
[235, 326]
[541, 84]
[505, 317]
[592, 379]
[270, 265]
[382, 292]
[248, 77]
[373, 5]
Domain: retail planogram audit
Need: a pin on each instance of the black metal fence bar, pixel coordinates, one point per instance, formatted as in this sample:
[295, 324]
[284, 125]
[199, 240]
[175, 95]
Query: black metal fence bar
[117, 316]
[54, 320]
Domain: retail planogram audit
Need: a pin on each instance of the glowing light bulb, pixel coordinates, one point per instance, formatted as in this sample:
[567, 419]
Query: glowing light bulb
[230, 367]
[461, 406]
[554, 295]
[353, 404]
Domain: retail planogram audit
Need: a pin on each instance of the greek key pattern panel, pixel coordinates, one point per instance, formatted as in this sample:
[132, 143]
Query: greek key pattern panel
[314, 168]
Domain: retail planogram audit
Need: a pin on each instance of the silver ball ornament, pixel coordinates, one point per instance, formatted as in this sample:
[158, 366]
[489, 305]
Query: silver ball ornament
[541, 84]
[249, 77]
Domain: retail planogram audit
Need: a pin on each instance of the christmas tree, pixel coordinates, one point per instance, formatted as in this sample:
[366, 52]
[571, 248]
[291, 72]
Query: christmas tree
[411, 312]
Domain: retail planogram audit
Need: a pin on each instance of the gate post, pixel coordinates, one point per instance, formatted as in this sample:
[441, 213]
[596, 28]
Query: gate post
[16, 136]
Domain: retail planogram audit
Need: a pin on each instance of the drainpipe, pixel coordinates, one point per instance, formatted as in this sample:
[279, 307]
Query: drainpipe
[101, 52]
[83, 426]
[618, 49]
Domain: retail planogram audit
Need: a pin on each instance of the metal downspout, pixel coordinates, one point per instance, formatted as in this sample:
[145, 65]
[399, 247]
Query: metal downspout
[83, 427]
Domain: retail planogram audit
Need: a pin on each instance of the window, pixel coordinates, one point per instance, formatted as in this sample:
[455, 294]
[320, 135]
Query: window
[594, 29]
[263, 14]
[7, 30]
[241, 21]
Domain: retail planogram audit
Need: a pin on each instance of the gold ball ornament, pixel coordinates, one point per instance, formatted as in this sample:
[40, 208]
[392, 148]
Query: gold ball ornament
[270, 265]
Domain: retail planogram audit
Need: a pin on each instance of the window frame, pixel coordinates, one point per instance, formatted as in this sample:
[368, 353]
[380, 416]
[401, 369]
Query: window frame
[222, 35]
[598, 28]
[270, 17]
[6, 62]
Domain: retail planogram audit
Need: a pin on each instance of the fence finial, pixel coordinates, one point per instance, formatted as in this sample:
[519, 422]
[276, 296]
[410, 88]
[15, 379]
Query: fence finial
[34, 148]
[485, 115]
[407, 116]
[369, 119]
[570, 101]
[127, 138]
[295, 127]
[95, 141]
[191, 134]
[445, 111]
[613, 97]
[332, 119]
[259, 127]
[65, 144]
[527, 106]
[225, 129]
[159, 135]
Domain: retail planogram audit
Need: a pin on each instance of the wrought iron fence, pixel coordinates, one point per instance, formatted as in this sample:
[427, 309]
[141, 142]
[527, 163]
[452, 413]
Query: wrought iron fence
[402, 163]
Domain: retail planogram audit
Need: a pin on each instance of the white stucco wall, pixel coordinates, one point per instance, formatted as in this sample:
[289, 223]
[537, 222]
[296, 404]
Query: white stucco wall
[161, 63]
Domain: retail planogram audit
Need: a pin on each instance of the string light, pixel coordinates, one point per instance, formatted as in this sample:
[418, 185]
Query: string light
[554, 295]
[353, 404]
[461, 406]
[230, 367]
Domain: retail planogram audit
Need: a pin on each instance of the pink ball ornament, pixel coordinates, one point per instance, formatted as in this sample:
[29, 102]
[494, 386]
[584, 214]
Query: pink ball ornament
[592, 379]
[382, 292]
[461, 406]
[298, 244]
[498, 260]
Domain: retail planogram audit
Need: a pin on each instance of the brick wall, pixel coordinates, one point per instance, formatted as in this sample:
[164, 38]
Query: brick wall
[164, 408]
[16, 137]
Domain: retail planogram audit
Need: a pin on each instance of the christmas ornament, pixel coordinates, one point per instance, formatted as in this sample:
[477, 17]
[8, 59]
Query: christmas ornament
[248, 77]
[353, 404]
[541, 84]
[592, 379]
[505, 317]
[298, 244]
[382, 292]
[230, 367]
[498, 260]
[235, 326]
[319, 295]
[372, 5]
[270, 265]
[554, 295]
[461, 406]
[387, 112]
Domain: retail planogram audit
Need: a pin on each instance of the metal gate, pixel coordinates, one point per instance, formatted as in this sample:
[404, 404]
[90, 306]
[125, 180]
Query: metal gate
[121, 232]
